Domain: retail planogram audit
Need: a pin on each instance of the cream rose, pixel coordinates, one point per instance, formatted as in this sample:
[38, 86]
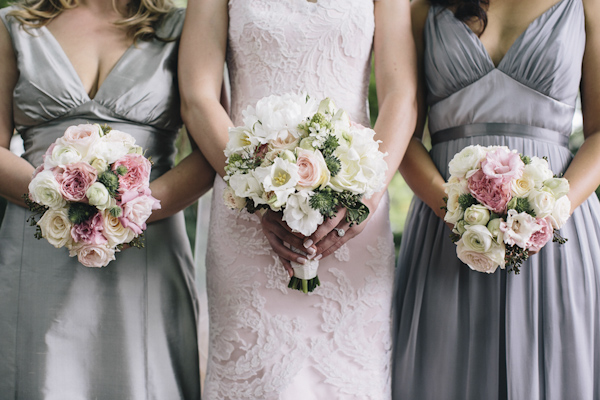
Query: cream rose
[114, 231]
[82, 137]
[56, 227]
[477, 238]
[522, 186]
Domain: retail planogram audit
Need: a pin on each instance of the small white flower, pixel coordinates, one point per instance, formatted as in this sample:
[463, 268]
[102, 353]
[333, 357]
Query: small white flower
[299, 215]
[280, 178]
[247, 186]
[241, 141]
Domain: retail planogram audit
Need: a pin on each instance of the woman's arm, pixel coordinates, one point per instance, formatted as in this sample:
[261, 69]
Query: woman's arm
[417, 168]
[15, 172]
[583, 173]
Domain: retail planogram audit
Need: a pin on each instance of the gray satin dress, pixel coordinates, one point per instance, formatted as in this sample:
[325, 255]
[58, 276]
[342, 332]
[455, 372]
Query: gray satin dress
[466, 335]
[126, 331]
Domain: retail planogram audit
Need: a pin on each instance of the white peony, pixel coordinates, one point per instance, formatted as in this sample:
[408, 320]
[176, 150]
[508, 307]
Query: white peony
[280, 178]
[561, 212]
[98, 196]
[299, 215]
[559, 187]
[467, 161]
[541, 202]
[45, 190]
[538, 170]
[518, 228]
[56, 227]
[477, 215]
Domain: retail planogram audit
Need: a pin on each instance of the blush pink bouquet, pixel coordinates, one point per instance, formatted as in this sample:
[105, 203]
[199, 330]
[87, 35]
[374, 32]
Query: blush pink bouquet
[92, 194]
[503, 205]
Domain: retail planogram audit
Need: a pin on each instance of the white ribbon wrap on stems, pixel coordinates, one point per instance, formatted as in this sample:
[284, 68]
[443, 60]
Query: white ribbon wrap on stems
[304, 271]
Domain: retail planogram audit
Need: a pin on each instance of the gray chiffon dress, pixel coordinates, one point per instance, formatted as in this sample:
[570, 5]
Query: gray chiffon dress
[461, 334]
[125, 331]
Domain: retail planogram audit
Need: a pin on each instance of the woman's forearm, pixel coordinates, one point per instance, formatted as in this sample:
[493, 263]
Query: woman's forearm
[15, 175]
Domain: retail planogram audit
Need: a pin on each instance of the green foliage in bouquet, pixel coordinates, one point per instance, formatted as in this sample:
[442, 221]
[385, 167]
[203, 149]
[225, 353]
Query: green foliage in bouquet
[467, 200]
[37, 211]
[81, 212]
[111, 181]
[514, 258]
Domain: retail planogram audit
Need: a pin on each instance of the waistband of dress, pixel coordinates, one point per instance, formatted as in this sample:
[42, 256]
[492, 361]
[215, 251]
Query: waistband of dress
[500, 129]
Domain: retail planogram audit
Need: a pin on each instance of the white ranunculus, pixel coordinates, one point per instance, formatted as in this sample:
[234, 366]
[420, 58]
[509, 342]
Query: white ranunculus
[278, 116]
[363, 166]
[561, 212]
[45, 190]
[114, 231]
[477, 215]
[559, 187]
[98, 196]
[494, 228]
[299, 215]
[466, 161]
[538, 170]
[280, 178]
[247, 186]
[241, 141]
[486, 262]
[56, 227]
[99, 164]
[62, 155]
[477, 238]
[518, 228]
[541, 202]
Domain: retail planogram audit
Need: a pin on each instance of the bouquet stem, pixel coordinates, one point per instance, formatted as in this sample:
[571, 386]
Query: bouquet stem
[305, 276]
[304, 285]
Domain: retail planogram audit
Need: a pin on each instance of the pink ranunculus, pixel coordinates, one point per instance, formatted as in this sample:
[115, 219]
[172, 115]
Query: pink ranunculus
[93, 255]
[136, 211]
[138, 172]
[312, 169]
[502, 164]
[491, 192]
[539, 238]
[75, 179]
[89, 231]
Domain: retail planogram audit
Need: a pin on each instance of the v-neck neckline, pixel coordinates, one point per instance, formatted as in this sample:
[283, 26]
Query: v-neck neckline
[516, 41]
[73, 71]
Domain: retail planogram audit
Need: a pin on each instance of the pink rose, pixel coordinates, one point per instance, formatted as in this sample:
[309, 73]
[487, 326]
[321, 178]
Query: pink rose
[539, 238]
[312, 169]
[491, 192]
[89, 231]
[92, 255]
[138, 172]
[503, 164]
[137, 210]
[75, 179]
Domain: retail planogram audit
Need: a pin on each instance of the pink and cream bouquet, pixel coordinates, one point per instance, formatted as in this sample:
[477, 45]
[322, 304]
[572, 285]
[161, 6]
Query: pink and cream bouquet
[305, 159]
[93, 194]
[503, 205]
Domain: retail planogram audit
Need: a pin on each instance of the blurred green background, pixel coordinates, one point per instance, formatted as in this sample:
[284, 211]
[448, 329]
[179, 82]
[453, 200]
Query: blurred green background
[400, 194]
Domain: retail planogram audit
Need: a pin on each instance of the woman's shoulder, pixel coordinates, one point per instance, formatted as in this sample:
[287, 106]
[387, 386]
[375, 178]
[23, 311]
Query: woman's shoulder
[172, 24]
[5, 17]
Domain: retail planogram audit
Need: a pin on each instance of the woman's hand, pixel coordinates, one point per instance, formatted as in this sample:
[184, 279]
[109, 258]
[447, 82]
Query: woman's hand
[279, 234]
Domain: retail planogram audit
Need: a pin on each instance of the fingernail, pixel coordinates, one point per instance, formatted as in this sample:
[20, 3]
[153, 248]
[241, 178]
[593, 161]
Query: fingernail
[308, 243]
[317, 258]
[301, 260]
[312, 251]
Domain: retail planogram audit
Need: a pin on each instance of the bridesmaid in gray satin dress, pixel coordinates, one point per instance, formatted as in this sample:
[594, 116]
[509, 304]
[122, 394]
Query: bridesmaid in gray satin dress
[462, 334]
[126, 331]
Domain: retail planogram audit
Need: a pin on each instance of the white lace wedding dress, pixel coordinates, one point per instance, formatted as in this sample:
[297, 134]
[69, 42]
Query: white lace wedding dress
[267, 341]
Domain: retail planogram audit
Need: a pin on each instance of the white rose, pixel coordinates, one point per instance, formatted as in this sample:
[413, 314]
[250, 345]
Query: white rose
[93, 255]
[518, 228]
[110, 151]
[522, 186]
[467, 160]
[541, 202]
[486, 262]
[561, 212]
[299, 215]
[247, 186]
[56, 227]
[477, 215]
[117, 136]
[477, 238]
[114, 231]
[232, 201]
[45, 190]
[559, 187]
[98, 196]
[538, 170]
[280, 178]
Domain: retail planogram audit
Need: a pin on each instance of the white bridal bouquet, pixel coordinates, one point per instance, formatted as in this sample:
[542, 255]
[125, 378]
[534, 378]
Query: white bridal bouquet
[303, 158]
[93, 194]
[503, 205]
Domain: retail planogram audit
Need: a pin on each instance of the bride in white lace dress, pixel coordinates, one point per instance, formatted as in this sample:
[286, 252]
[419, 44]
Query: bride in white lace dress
[267, 341]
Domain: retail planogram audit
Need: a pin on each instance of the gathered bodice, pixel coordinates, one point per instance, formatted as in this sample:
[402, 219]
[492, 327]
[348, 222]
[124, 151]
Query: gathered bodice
[536, 83]
[139, 95]
[281, 46]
